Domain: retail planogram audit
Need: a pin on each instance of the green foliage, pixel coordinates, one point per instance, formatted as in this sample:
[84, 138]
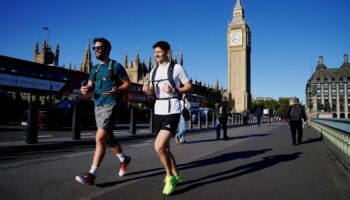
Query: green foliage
[280, 106]
[283, 106]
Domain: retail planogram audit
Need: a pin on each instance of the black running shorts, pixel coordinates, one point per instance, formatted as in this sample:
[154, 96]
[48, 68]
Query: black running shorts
[166, 122]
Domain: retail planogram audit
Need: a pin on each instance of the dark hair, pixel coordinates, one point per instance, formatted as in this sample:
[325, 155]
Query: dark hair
[105, 43]
[296, 100]
[165, 46]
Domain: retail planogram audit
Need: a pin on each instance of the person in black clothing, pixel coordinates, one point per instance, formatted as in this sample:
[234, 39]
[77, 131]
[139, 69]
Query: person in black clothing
[222, 111]
[258, 114]
[295, 114]
[271, 116]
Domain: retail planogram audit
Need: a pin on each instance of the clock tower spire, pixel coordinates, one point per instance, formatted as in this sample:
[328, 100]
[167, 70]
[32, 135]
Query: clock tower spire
[238, 12]
[238, 49]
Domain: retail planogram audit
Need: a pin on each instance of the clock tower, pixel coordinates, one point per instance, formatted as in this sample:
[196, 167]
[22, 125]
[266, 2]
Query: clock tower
[239, 48]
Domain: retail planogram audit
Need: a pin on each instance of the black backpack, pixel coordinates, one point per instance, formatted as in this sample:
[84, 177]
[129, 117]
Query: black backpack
[222, 108]
[295, 112]
[170, 76]
[185, 111]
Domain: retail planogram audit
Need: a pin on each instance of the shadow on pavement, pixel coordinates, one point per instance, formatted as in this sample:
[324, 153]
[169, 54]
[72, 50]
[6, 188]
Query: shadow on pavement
[200, 163]
[312, 140]
[227, 157]
[248, 136]
[40, 153]
[237, 171]
[230, 138]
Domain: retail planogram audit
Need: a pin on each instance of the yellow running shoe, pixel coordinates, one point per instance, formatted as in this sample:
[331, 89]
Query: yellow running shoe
[169, 185]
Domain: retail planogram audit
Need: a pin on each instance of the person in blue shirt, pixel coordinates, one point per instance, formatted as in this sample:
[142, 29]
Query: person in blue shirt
[107, 80]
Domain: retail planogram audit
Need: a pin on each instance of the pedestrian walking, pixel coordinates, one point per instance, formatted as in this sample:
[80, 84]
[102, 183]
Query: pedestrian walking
[245, 115]
[107, 79]
[295, 116]
[222, 111]
[258, 114]
[185, 113]
[271, 116]
[165, 84]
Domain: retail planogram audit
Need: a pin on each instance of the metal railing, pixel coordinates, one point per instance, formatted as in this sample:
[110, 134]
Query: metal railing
[201, 119]
[336, 135]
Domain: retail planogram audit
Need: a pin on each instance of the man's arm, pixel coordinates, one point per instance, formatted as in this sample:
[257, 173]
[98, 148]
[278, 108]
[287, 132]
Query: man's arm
[303, 114]
[185, 89]
[124, 86]
[85, 89]
[288, 113]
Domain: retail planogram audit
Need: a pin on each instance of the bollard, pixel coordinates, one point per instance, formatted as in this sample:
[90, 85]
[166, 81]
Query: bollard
[199, 119]
[75, 122]
[32, 128]
[191, 124]
[213, 119]
[151, 121]
[207, 119]
[132, 120]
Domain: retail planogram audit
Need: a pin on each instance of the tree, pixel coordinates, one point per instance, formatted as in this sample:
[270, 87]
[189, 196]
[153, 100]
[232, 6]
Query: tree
[265, 104]
[283, 107]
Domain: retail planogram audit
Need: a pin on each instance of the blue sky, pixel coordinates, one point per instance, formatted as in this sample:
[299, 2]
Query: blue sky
[288, 36]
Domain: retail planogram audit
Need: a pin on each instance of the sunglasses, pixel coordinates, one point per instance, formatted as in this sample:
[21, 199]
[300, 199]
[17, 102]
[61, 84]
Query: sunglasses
[98, 48]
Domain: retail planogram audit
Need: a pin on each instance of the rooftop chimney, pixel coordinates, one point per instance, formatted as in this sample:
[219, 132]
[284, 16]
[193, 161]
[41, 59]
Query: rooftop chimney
[321, 60]
[346, 59]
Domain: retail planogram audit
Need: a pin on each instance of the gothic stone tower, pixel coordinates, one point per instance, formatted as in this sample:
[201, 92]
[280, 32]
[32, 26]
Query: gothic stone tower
[86, 65]
[46, 56]
[239, 48]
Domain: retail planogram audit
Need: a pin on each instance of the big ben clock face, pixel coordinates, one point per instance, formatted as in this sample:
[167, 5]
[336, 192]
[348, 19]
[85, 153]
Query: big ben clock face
[236, 38]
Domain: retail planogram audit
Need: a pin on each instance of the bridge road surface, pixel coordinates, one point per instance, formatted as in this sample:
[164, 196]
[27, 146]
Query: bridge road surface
[256, 163]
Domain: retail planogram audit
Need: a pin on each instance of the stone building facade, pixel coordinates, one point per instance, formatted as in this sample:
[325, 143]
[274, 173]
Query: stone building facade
[46, 56]
[239, 48]
[328, 91]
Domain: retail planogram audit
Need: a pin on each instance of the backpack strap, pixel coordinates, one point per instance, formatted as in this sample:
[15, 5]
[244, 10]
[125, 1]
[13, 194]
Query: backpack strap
[170, 78]
[110, 71]
[98, 68]
[154, 75]
[112, 76]
[171, 74]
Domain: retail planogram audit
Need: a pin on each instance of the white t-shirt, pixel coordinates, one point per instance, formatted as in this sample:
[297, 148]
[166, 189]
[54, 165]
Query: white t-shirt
[161, 107]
